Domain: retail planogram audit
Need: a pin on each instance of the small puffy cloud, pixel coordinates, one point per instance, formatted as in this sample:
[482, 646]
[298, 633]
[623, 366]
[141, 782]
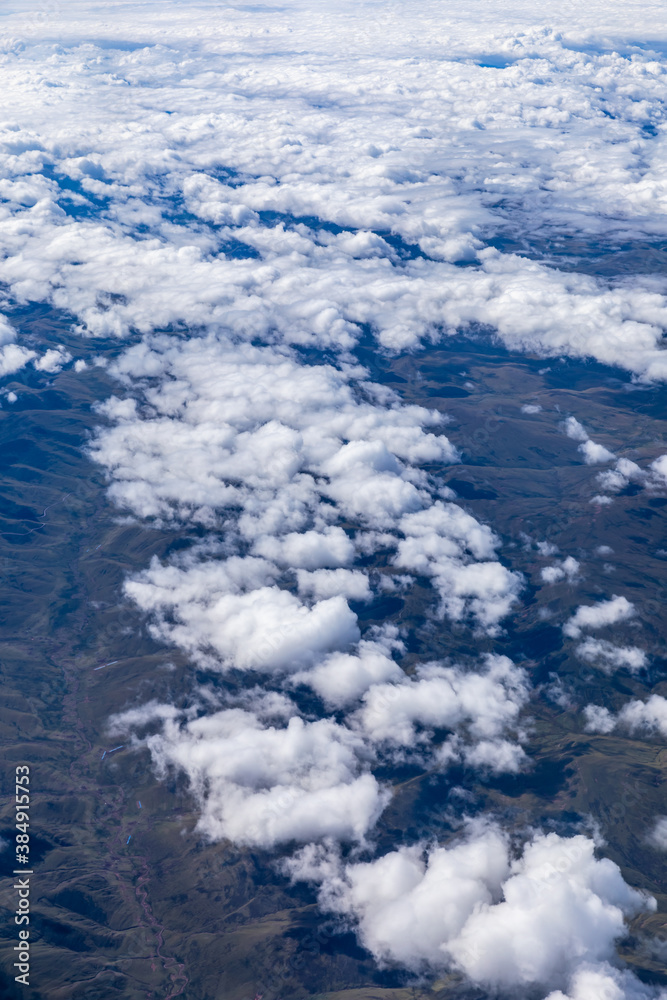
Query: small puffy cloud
[530, 408]
[367, 481]
[598, 719]
[485, 705]
[53, 360]
[659, 469]
[621, 475]
[609, 657]
[594, 453]
[638, 717]
[449, 530]
[575, 430]
[408, 904]
[601, 981]
[13, 357]
[441, 542]
[593, 616]
[547, 548]
[648, 717]
[657, 837]
[497, 756]
[7, 331]
[342, 678]
[136, 718]
[567, 570]
[658, 834]
[562, 907]
[323, 583]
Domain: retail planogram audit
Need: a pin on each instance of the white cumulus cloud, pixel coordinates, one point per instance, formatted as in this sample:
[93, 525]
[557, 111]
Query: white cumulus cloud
[542, 917]
[600, 615]
[610, 657]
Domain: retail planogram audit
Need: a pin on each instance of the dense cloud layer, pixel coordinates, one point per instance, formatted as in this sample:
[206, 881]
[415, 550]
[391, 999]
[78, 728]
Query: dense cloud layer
[478, 136]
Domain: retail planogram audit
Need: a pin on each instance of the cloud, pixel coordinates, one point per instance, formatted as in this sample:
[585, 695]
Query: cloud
[53, 360]
[309, 549]
[264, 785]
[264, 782]
[286, 211]
[594, 453]
[440, 542]
[604, 982]
[484, 704]
[574, 430]
[7, 331]
[142, 226]
[542, 917]
[567, 570]
[137, 718]
[207, 610]
[264, 776]
[598, 719]
[494, 756]
[13, 356]
[323, 583]
[659, 469]
[609, 657]
[600, 615]
[342, 678]
[623, 473]
[545, 548]
[638, 717]
[283, 436]
[658, 834]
